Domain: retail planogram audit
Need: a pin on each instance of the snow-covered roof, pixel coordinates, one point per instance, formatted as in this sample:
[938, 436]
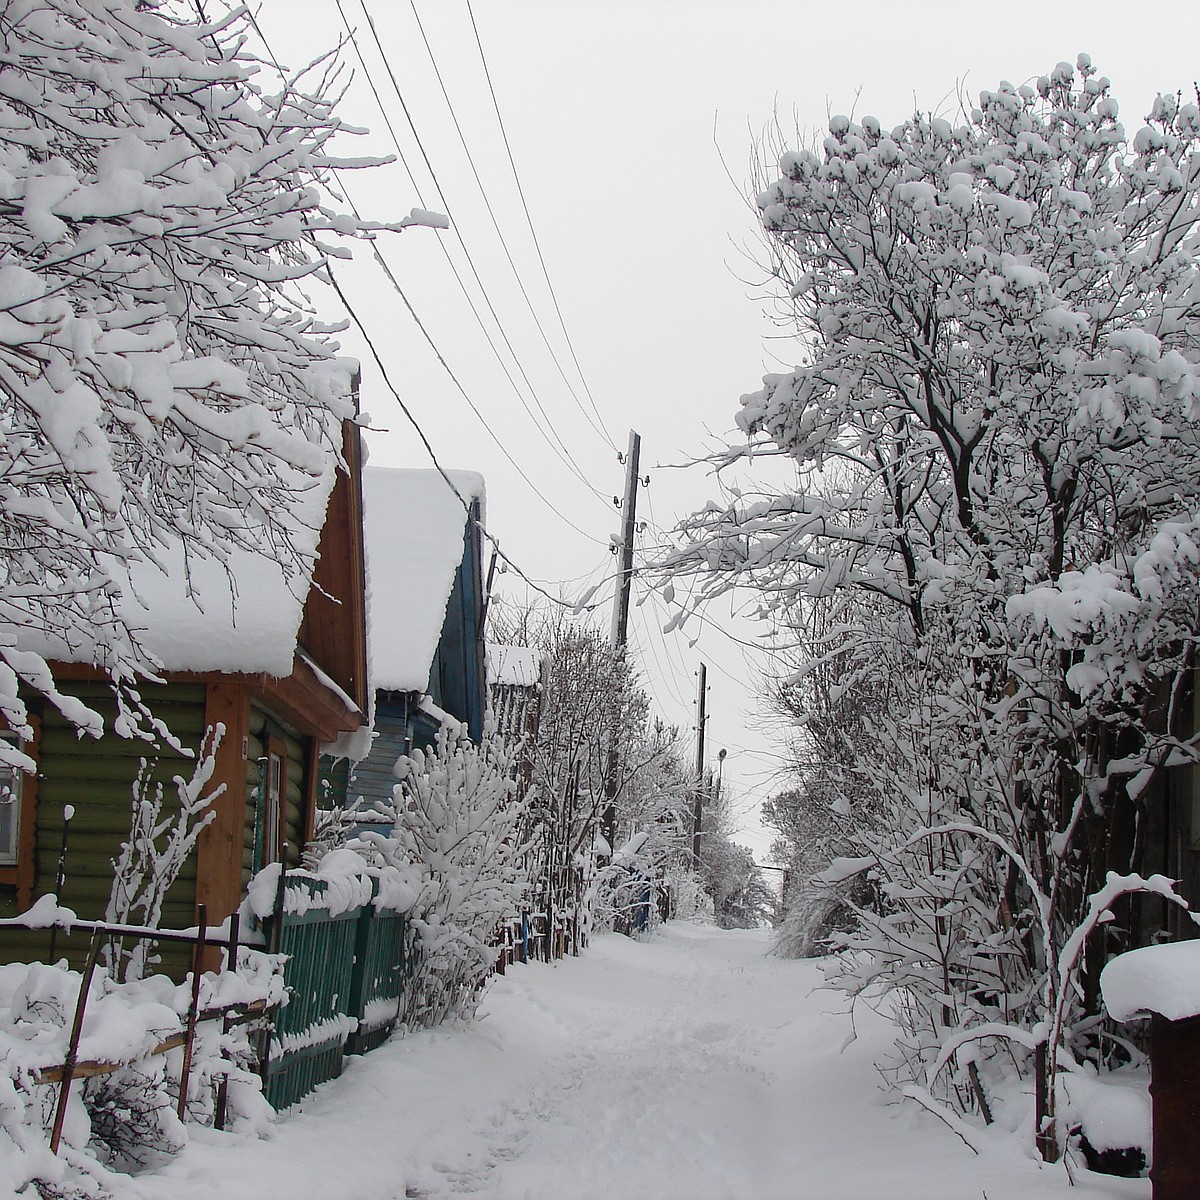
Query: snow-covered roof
[414, 526]
[196, 613]
[1155, 979]
[515, 666]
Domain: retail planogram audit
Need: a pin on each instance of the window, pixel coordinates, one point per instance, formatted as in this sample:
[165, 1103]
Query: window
[273, 811]
[271, 803]
[18, 800]
[12, 782]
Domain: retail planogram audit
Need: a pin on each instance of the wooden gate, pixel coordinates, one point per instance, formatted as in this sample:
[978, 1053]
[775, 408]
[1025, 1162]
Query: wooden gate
[344, 976]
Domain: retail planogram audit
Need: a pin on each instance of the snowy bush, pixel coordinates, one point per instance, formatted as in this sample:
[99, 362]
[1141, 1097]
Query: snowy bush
[606, 776]
[457, 820]
[124, 1120]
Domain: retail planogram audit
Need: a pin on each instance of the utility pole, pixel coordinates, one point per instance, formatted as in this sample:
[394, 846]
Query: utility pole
[698, 809]
[620, 627]
[620, 621]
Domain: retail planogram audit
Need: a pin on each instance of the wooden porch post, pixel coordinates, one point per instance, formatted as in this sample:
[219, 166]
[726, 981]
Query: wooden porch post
[1174, 1069]
[219, 850]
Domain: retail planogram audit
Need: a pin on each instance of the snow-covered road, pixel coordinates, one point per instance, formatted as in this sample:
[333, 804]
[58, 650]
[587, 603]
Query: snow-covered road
[690, 1066]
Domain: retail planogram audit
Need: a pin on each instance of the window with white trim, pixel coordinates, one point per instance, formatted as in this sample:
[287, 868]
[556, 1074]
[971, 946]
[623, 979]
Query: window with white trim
[11, 785]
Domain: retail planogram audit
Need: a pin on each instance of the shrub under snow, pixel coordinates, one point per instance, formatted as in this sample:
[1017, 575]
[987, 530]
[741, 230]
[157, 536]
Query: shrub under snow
[456, 821]
[123, 1121]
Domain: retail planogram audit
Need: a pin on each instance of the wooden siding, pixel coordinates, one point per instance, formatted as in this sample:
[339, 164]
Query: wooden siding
[219, 851]
[373, 778]
[97, 777]
[456, 676]
[333, 631]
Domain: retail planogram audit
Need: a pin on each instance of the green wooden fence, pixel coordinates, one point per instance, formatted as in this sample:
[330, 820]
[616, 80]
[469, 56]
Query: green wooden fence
[378, 982]
[344, 976]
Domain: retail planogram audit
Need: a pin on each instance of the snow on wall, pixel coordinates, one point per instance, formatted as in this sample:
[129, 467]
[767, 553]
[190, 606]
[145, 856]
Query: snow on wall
[414, 534]
[1155, 979]
[512, 666]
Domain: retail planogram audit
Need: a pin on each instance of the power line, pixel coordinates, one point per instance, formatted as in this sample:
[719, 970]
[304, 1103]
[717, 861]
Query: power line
[374, 91]
[499, 232]
[395, 283]
[560, 450]
[432, 454]
[505, 558]
[533, 233]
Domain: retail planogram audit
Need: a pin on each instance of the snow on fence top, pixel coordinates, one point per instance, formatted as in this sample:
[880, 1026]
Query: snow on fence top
[414, 536]
[513, 666]
[1155, 979]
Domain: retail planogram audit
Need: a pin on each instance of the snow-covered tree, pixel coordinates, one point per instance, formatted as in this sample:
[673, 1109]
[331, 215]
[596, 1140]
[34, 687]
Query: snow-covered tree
[155, 852]
[456, 827]
[994, 429]
[595, 732]
[166, 391]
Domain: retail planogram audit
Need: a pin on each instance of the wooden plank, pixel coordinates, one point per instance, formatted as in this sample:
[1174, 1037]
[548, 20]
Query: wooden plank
[219, 850]
[92, 1067]
[333, 630]
[304, 701]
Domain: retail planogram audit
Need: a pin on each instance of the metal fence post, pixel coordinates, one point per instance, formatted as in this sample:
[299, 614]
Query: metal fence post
[68, 1071]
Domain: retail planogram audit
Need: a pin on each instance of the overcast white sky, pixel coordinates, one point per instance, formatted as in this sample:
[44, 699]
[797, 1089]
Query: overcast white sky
[632, 126]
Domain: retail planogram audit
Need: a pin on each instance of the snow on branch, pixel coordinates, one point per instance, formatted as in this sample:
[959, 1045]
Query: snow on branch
[164, 382]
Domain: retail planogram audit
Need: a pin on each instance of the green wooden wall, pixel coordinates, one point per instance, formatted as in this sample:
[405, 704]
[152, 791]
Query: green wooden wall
[96, 776]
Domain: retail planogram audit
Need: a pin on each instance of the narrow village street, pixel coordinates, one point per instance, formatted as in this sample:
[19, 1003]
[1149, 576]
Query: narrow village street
[689, 1066]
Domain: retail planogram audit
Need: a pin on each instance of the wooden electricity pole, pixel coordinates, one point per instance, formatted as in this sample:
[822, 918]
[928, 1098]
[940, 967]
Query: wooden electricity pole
[698, 803]
[620, 628]
[620, 621]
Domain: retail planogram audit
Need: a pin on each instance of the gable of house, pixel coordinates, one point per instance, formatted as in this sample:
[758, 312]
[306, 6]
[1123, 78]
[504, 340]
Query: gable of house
[277, 659]
[424, 553]
[424, 557]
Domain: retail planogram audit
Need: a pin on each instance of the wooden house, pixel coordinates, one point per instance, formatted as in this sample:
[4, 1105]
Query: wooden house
[516, 686]
[277, 660]
[424, 558]
[514, 689]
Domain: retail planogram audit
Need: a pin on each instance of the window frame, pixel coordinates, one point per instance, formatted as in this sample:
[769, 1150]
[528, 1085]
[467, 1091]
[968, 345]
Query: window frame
[12, 778]
[271, 819]
[20, 873]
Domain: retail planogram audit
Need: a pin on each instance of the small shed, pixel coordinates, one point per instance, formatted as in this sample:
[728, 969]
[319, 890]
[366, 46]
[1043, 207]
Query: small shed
[425, 564]
[514, 687]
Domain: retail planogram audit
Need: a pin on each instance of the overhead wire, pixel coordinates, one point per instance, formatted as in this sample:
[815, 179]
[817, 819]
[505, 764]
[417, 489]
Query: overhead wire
[560, 450]
[500, 233]
[387, 120]
[669, 644]
[395, 283]
[643, 645]
[412, 311]
[540, 587]
[466, 504]
[533, 232]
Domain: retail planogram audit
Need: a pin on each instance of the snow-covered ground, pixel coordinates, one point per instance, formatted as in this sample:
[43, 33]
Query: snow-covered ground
[689, 1066]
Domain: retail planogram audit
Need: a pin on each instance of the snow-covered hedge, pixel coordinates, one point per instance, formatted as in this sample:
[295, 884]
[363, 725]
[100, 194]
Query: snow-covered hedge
[123, 1120]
